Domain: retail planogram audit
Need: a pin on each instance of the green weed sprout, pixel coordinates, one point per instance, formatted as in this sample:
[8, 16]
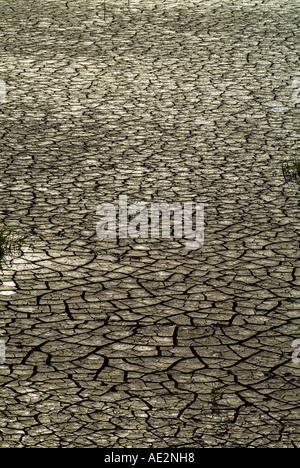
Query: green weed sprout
[291, 170]
[215, 395]
[9, 243]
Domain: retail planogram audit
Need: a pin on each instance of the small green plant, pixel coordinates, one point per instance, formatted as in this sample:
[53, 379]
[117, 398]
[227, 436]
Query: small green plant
[291, 170]
[215, 394]
[9, 242]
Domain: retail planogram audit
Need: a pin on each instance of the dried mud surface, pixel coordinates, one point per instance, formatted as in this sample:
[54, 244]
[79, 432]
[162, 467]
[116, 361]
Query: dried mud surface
[118, 343]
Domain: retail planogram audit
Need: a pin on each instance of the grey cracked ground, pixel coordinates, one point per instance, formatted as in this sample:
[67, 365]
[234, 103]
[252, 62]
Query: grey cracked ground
[119, 343]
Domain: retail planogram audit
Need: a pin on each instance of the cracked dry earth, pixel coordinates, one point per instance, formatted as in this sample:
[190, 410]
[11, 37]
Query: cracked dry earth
[118, 343]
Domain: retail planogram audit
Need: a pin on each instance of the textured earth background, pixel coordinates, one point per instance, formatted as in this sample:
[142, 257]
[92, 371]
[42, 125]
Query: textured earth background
[118, 343]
